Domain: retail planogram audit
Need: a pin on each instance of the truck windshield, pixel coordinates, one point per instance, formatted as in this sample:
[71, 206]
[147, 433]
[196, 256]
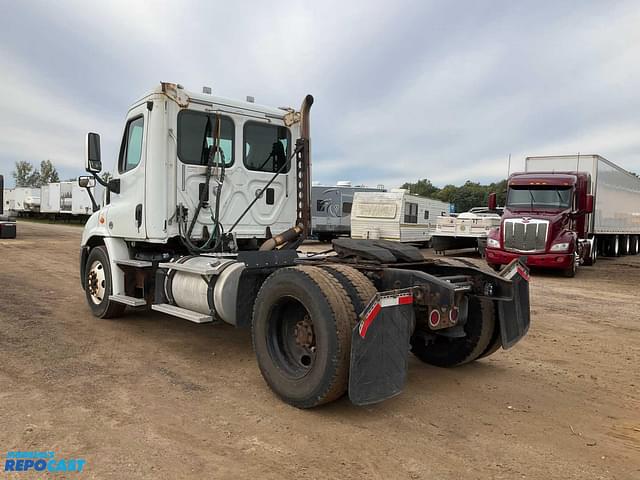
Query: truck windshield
[527, 196]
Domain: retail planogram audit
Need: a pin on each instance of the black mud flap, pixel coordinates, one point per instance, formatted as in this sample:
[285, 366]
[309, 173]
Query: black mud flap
[380, 348]
[515, 315]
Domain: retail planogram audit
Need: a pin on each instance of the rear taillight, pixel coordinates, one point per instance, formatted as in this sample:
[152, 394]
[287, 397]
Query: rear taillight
[434, 318]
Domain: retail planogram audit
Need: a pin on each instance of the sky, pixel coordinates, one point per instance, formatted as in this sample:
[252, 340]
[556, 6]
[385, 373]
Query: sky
[403, 89]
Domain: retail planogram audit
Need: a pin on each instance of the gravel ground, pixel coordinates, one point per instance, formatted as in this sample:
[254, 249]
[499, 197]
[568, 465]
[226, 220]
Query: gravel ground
[151, 396]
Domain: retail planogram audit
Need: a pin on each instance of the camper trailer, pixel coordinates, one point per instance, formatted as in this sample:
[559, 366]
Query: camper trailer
[396, 215]
[331, 209]
[74, 199]
[9, 201]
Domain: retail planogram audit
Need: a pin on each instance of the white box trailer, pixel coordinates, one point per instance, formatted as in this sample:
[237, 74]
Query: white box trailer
[9, 201]
[395, 215]
[26, 199]
[50, 198]
[616, 192]
[74, 199]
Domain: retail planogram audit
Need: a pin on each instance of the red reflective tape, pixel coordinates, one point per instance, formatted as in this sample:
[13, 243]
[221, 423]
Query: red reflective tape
[364, 326]
[523, 272]
[405, 300]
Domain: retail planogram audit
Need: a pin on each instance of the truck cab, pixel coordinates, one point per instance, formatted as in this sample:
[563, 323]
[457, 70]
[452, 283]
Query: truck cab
[545, 220]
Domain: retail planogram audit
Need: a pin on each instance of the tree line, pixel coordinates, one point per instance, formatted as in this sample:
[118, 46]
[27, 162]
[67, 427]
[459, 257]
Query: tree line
[28, 175]
[463, 197]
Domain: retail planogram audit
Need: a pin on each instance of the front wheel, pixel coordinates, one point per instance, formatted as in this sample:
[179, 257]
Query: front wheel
[98, 285]
[573, 269]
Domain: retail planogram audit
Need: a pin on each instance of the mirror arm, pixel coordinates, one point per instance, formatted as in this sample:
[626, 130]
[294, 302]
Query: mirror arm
[94, 204]
[98, 179]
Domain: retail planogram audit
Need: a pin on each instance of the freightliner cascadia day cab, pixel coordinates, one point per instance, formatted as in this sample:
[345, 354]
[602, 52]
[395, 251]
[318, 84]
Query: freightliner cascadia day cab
[203, 217]
[564, 211]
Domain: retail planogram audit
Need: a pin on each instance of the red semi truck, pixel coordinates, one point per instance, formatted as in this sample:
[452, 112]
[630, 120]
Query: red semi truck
[564, 211]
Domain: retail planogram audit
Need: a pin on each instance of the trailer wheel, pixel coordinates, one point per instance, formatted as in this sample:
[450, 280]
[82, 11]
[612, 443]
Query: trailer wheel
[444, 351]
[98, 286]
[356, 284]
[302, 335]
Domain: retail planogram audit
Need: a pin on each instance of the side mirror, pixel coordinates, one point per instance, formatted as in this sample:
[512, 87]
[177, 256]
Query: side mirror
[92, 161]
[86, 181]
[589, 207]
[492, 203]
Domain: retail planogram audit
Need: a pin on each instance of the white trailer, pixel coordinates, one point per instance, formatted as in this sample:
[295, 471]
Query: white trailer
[467, 230]
[50, 198]
[395, 215]
[9, 201]
[74, 199]
[615, 220]
[26, 200]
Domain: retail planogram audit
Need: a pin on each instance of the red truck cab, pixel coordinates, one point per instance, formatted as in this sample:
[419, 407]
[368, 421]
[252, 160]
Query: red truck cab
[545, 221]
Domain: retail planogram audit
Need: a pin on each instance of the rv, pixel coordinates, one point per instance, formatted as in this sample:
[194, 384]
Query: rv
[466, 230]
[26, 200]
[331, 209]
[396, 215]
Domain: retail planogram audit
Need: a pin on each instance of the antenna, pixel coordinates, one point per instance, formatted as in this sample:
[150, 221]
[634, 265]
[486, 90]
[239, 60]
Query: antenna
[509, 166]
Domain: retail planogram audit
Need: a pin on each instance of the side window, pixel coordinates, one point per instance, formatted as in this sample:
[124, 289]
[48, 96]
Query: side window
[266, 147]
[131, 149]
[426, 214]
[410, 212]
[195, 137]
[346, 208]
[320, 205]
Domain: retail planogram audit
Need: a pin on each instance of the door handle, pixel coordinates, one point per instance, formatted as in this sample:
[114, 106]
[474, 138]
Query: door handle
[139, 215]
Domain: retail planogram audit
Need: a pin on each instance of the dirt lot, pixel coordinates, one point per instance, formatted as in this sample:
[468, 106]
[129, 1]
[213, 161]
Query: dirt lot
[150, 396]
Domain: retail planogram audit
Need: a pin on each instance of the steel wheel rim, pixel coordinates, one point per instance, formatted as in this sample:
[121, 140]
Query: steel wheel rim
[96, 282]
[291, 338]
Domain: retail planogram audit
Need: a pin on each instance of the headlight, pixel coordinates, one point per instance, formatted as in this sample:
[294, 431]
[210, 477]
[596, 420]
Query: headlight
[493, 243]
[560, 247]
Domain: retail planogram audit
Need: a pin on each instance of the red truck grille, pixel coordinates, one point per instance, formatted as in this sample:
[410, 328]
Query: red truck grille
[525, 235]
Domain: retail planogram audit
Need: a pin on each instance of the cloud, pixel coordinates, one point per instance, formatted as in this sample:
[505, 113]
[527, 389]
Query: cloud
[404, 90]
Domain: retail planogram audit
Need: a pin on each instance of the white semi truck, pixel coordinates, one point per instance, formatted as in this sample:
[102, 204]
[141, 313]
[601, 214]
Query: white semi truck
[208, 204]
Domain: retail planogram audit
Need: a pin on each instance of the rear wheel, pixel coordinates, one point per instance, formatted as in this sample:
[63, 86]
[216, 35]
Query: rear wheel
[98, 285]
[302, 335]
[448, 352]
[356, 284]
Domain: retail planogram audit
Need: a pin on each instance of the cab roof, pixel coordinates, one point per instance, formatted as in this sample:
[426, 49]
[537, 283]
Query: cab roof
[545, 178]
[185, 97]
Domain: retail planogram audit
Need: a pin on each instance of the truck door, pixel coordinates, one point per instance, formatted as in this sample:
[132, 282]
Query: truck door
[126, 211]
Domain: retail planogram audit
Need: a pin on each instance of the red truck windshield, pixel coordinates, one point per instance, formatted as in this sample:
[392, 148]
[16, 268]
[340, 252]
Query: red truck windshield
[528, 196]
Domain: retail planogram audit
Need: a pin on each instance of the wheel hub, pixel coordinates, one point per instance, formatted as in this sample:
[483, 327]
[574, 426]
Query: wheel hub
[96, 282]
[303, 333]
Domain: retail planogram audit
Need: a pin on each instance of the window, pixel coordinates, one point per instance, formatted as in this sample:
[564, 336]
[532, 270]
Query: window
[410, 212]
[321, 205]
[346, 208]
[266, 147]
[426, 214]
[195, 137]
[547, 196]
[131, 149]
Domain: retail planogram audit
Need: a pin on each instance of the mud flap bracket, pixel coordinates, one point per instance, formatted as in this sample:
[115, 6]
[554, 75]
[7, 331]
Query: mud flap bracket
[380, 348]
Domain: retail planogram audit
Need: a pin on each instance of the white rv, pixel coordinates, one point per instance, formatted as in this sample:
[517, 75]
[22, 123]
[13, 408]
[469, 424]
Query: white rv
[467, 230]
[9, 200]
[395, 215]
[50, 198]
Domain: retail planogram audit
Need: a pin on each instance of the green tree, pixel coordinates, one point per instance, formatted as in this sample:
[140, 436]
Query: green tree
[25, 175]
[48, 173]
[422, 187]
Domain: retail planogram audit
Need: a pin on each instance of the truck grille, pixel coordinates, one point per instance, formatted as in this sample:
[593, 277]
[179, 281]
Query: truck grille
[528, 235]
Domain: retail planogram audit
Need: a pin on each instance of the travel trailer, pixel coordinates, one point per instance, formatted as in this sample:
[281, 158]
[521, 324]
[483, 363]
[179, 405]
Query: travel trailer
[396, 215]
[331, 209]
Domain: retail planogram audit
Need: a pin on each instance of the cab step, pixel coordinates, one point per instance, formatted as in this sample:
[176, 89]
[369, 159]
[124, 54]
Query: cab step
[130, 301]
[190, 315]
[134, 263]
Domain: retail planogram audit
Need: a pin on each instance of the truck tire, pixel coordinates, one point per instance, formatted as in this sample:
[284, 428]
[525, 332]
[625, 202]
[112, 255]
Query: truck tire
[593, 254]
[98, 285]
[301, 333]
[573, 269]
[450, 352]
[356, 284]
